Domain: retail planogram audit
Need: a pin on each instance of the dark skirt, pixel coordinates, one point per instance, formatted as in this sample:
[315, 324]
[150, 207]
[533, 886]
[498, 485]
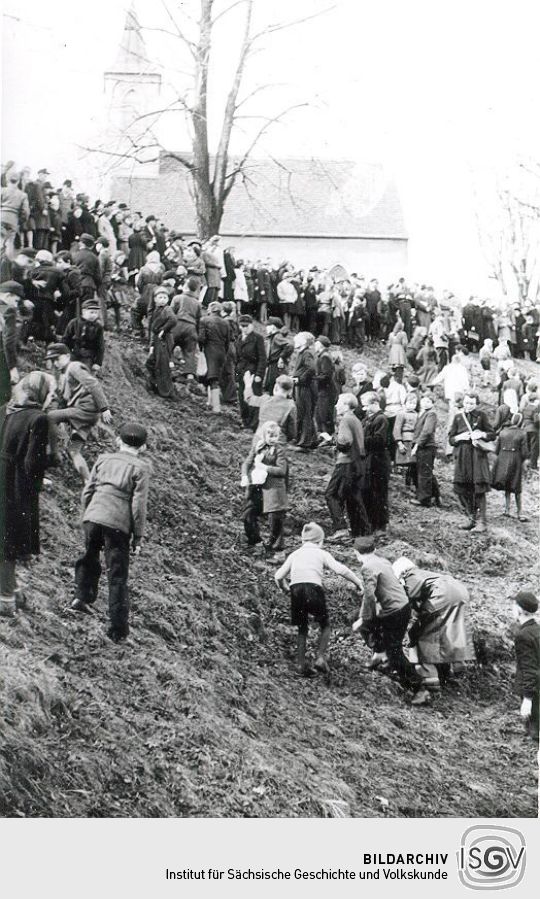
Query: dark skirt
[507, 472]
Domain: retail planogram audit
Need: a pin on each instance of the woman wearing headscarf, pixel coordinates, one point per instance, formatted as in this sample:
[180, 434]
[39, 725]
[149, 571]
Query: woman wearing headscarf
[440, 636]
[512, 450]
[150, 276]
[214, 339]
[24, 435]
[264, 476]
[304, 377]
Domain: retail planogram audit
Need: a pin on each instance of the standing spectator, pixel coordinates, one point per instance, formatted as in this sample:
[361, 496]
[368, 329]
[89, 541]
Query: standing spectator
[377, 466]
[15, 212]
[105, 228]
[471, 467]
[158, 363]
[103, 250]
[306, 391]
[251, 357]
[395, 395]
[530, 407]
[187, 309]
[66, 196]
[404, 427]
[137, 249]
[280, 407]
[115, 502]
[70, 289]
[88, 264]
[24, 434]
[397, 341]
[512, 450]
[38, 222]
[279, 352]
[327, 389]
[214, 338]
[212, 259]
[373, 323]
[10, 294]
[527, 646]
[424, 450]
[55, 224]
[347, 480]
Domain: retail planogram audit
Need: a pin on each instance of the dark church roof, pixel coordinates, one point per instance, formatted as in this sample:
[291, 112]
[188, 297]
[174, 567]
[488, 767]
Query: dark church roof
[281, 198]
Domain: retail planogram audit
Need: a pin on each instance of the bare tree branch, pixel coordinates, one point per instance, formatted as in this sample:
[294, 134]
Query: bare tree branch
[226, 11]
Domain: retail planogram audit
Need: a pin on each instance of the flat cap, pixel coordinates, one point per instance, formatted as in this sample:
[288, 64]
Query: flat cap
[527, 601]
[12, 287]
[245, 320]
[54, 350]
[133, 434]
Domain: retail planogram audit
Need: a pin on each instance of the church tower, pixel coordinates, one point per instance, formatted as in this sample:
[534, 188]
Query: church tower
[132, 89]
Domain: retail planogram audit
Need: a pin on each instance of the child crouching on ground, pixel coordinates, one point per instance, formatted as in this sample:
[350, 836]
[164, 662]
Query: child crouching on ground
[114, 500]
[305, 568]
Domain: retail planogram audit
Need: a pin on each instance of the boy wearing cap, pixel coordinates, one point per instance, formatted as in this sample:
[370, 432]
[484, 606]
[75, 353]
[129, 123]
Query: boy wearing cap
[279, 351]
[115, 501]
[527, 645]
[280, 407]
[83, 403]
[385, 614]
[306, 567]
[84, 336]
[88, 264]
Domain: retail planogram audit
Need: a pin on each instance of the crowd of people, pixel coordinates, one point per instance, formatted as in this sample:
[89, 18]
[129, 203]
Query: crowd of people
[270, 340]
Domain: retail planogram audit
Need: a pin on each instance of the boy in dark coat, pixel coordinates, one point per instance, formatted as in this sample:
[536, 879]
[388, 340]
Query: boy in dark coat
[115, 500]
[158, 363]
[84, 336]
[527, 645]
[214, 338]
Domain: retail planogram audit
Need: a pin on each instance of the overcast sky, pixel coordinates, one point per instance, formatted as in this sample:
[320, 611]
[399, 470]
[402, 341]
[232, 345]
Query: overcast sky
[434, 91]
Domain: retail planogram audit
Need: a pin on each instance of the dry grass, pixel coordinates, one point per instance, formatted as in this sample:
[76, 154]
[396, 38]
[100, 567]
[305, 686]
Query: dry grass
[202, 713]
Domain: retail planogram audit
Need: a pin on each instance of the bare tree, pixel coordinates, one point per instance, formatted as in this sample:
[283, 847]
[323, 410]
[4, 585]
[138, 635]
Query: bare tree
[211, 176]
[508, 220]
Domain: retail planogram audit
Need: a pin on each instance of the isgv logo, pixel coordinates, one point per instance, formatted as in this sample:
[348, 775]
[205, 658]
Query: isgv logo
[491, 858]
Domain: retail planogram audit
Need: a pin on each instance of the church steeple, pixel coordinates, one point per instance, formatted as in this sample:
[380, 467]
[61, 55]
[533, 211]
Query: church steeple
[132, 56]
[132, 89]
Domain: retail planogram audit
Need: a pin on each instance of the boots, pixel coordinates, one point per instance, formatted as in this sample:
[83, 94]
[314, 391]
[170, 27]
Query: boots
[215, 399]
[7, 605]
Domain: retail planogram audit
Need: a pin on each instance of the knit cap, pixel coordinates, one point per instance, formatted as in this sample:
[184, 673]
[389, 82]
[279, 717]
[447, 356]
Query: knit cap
[312, 533]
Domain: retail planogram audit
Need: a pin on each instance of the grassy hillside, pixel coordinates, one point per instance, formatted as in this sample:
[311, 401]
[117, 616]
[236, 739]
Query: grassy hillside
[201, 714]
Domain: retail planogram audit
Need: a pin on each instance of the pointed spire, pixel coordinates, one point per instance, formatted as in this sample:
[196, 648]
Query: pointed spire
[132, 54]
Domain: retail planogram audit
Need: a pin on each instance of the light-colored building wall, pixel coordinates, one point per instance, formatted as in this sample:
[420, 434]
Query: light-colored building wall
[385, 259]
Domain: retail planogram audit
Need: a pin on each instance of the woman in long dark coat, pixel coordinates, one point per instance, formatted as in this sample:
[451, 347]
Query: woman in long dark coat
[214, 338]
[24, 434]
[306, 391]
[512, 451]
[327, 388]
[471, 466]
[375, 490]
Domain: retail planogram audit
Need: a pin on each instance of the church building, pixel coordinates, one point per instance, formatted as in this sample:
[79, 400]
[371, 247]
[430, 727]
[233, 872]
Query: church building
[309, 211]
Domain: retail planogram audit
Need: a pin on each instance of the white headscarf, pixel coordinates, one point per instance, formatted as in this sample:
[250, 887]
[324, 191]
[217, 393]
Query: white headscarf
[401, 566]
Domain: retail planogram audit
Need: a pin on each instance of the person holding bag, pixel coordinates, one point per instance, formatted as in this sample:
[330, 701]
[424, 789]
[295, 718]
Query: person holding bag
[469, 433]
[265, 478]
